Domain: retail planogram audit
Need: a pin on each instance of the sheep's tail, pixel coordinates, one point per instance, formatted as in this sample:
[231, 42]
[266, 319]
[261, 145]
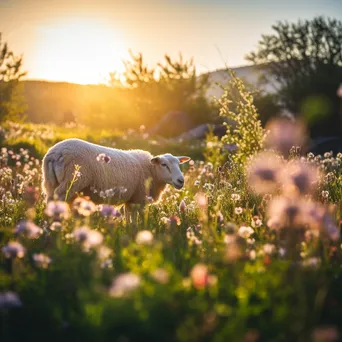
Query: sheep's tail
[53, 173]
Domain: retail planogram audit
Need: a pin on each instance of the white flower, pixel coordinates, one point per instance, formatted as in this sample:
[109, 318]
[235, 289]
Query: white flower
[238, 210]
[268, 248]
[144, 237]
[245, 232]
[124, 284]
[236, 197]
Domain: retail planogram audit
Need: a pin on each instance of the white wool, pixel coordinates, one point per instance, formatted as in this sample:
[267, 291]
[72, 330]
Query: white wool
[127, 169]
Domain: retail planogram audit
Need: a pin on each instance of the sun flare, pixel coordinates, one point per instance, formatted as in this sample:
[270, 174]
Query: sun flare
[79, 51]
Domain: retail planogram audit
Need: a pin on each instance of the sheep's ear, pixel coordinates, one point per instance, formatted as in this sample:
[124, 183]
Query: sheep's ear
[155, 160]
[183, 159]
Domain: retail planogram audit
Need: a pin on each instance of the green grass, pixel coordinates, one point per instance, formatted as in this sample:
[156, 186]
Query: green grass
[246, 285]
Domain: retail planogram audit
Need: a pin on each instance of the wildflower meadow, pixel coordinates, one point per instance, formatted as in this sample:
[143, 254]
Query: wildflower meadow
[248, 250]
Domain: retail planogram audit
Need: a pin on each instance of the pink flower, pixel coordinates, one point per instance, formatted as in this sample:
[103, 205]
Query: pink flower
[103, 158]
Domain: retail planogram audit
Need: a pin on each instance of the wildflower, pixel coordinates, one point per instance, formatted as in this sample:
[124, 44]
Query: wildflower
[144, 237]
[299, 177]
[103, 158]
[236, 197]
[325, 194]
[124, 284]
[201, 200]
[199, 276]
[182, 206]
[41, 260]
[175, 221]
[108, 263]
[286, 212]
[245, 232]
[108, 211]
[252, 254]
[13, 250]
[233, 250]
[9, 300]
[31, 230]
[83, 206]
[56, 226]
[268, 248]
[238, 210]
[283, 134]
[161, 275]
[58, 210]
[104, 253]
[264, 173]
[88, 237]
[311, 262]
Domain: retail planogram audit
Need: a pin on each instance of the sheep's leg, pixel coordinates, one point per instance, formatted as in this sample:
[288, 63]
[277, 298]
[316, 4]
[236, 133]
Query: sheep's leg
[60, 192]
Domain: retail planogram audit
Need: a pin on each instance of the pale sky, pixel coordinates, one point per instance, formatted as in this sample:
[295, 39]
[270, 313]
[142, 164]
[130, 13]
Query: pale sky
[82, 41]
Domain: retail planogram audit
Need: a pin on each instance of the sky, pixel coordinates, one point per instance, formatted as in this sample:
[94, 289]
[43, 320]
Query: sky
[82, 41]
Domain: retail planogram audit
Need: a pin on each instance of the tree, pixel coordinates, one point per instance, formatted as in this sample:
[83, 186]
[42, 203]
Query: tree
[11, 101]
[171, 85]
[304, 62]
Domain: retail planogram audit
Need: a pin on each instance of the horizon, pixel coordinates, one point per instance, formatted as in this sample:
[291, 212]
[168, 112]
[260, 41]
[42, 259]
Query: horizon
[82, 42]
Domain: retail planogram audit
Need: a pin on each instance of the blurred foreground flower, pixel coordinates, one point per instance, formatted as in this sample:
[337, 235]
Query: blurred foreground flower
[13, 250]
[161, 275]
[59, 210]
[283, 134]
[200, 277]
[83, 207]
[9, 300]
[89, 238]
[41, 260]
[245, 232]
[124, 284]
[144, 237]
[28, 228]
[264, 173]
[299, 178]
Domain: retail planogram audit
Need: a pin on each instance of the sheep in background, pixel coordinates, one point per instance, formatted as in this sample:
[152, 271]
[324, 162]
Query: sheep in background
[105, 169]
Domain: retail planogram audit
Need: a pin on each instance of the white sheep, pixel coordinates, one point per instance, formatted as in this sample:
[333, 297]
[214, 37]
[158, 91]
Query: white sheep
[121, 174]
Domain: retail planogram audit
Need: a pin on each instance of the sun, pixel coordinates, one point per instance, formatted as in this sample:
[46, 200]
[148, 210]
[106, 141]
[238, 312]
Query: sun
[79, 51]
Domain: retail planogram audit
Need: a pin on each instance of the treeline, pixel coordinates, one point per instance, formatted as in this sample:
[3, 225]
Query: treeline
[303, 61]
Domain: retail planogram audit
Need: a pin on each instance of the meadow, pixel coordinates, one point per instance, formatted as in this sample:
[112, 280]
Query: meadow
[249, 250]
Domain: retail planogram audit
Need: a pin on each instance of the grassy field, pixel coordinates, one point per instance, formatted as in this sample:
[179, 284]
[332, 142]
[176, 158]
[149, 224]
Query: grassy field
[249, 250]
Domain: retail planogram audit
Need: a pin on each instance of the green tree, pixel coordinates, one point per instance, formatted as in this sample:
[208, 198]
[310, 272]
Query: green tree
[11, 99]
[304, 61]
[171, 85]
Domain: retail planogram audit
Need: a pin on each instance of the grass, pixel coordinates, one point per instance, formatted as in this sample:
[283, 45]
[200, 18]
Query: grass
[244, 252]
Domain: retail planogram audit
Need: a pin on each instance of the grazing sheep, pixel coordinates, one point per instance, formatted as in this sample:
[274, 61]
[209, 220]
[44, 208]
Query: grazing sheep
[120, 174]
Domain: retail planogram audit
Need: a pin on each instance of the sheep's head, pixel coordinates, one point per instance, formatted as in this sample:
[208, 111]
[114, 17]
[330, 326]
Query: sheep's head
[168, 170]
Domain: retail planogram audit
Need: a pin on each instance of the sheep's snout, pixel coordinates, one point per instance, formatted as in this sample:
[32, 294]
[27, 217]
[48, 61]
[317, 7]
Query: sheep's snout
[179, 183]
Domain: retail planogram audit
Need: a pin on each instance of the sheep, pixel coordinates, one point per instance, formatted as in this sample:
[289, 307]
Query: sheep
[124, 174]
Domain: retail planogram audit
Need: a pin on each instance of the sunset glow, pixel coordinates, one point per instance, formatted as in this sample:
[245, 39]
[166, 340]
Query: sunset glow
[79, 51]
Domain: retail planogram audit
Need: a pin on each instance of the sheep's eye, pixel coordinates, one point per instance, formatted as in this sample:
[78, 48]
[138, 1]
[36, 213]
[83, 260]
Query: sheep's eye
[163, 165]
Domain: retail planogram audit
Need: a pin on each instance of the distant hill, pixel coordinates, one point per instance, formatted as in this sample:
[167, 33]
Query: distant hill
[249, 74]
[56, 101]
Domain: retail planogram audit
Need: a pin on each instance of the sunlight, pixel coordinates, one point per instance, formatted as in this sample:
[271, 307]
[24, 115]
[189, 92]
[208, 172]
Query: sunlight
[79, 51]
